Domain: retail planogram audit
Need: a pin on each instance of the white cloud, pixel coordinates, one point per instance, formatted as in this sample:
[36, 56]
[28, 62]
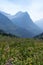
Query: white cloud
[33, 7]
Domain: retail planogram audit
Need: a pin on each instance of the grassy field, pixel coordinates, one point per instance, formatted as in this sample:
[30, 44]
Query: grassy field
[17, 51]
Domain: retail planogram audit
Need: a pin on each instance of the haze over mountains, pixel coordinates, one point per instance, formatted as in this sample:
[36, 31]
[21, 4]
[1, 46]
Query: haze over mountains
[20, 25]
[40, 23]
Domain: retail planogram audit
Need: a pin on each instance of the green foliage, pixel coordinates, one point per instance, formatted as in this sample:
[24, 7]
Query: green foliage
[19, 51]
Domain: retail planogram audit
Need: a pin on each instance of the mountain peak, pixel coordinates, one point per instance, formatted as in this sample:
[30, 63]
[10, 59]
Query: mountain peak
[18, 13]
[21, 14]
[25, 12]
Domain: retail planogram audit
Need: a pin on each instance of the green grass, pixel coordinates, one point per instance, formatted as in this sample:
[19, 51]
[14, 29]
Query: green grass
[17, 51]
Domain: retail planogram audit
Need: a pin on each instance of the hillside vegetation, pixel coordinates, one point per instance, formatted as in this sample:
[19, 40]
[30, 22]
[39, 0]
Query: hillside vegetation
[19, 51]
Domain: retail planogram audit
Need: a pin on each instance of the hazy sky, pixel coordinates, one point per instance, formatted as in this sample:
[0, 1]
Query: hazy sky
[33, 7]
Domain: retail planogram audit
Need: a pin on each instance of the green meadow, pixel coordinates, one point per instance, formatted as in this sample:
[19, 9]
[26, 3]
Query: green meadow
[20, 51]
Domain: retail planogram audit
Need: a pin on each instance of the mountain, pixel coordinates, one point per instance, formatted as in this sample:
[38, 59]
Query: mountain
[20, 25]
[40, 36]
[8, 27]
[23, 20]
[40, 23]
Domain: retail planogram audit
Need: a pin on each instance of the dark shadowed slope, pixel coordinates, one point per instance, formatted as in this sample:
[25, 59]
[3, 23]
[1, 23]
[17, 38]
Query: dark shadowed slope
[40, 36]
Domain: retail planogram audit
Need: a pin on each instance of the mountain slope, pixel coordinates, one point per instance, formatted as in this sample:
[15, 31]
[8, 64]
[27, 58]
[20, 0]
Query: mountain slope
[23, 20]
